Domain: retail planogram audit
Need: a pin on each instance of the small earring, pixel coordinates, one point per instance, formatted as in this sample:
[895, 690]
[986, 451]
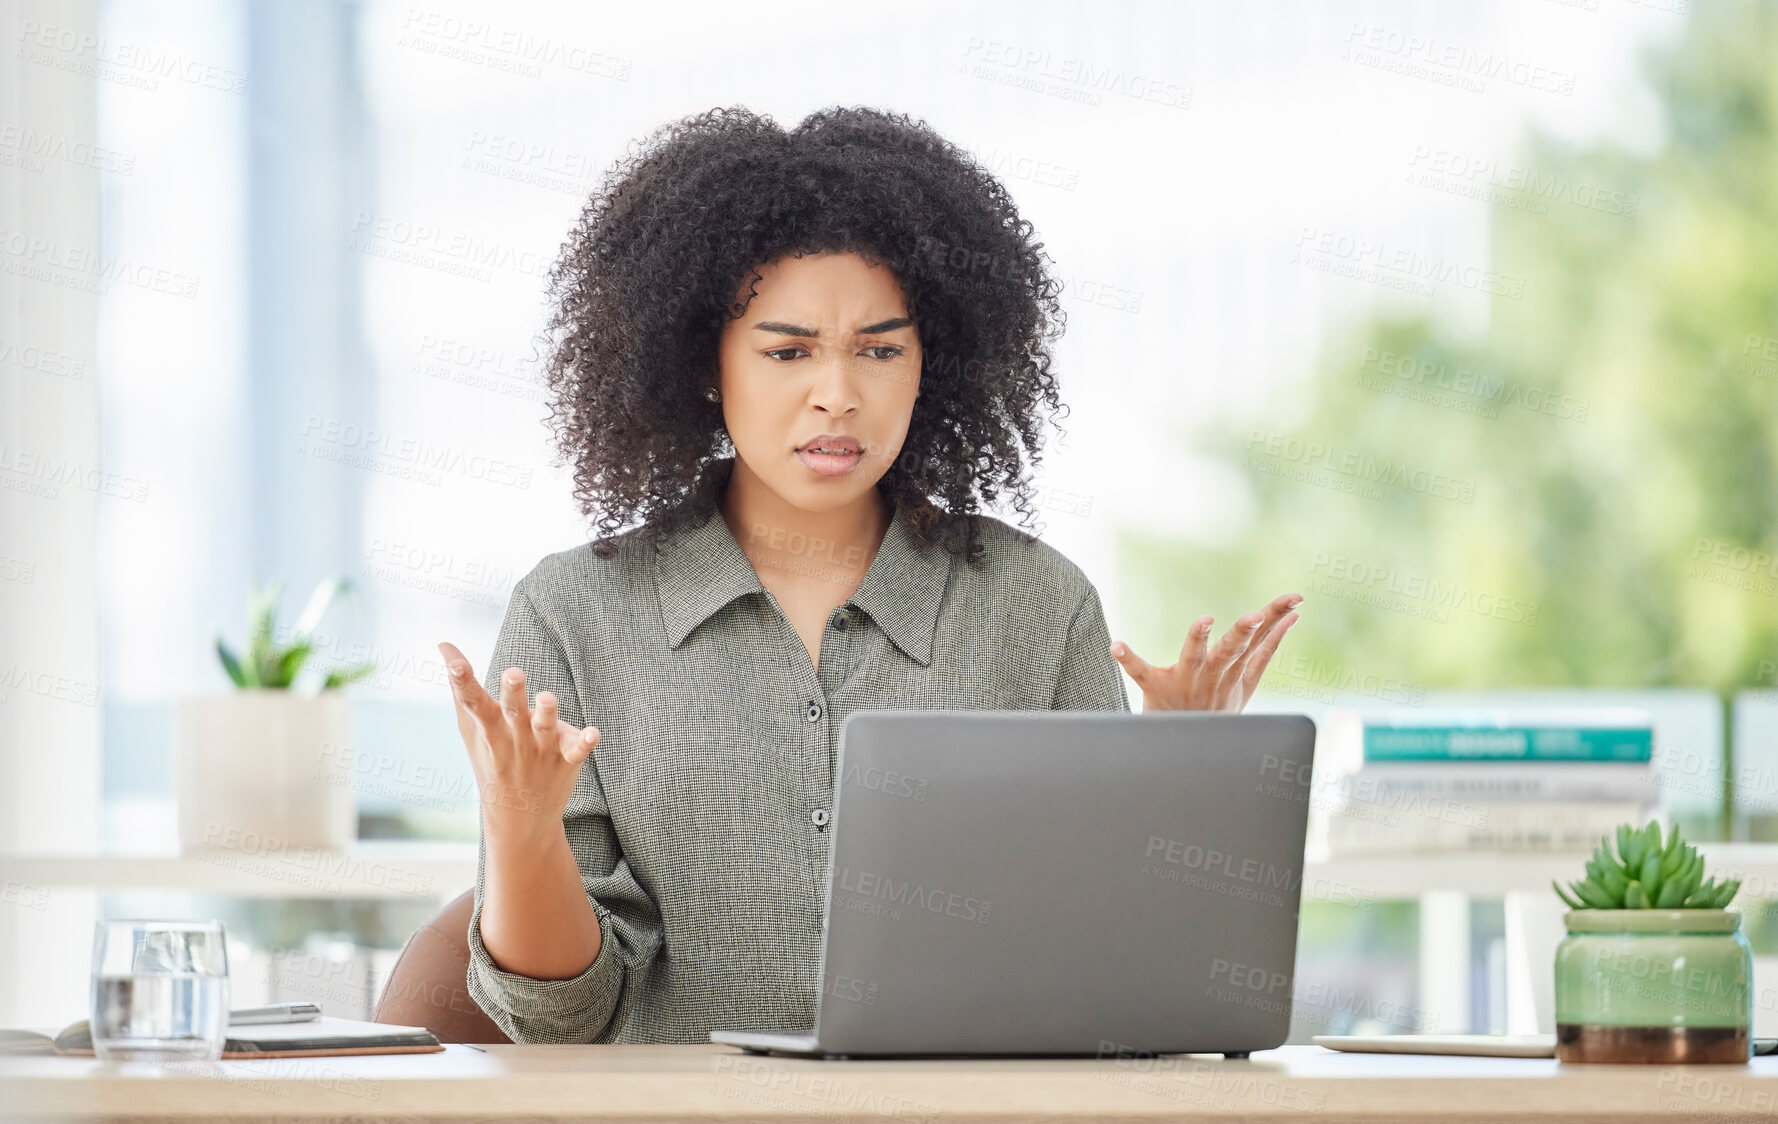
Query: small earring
[713, 394]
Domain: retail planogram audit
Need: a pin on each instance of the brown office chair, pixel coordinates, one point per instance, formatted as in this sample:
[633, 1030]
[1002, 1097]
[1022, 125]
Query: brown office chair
[429, 984]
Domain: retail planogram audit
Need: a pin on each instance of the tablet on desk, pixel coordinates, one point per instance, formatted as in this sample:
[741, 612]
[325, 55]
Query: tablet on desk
[1482, 1045]
[1472, 1045]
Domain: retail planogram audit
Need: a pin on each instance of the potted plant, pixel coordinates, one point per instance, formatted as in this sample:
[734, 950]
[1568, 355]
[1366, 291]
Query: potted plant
[1654, 968]
[268, 765]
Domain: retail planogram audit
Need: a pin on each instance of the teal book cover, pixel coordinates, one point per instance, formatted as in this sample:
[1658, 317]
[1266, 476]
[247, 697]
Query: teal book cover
[1507, 743]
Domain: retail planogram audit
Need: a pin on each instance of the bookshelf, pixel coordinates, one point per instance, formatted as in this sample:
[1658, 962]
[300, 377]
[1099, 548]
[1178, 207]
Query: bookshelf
[408, 870]
[1442, 883]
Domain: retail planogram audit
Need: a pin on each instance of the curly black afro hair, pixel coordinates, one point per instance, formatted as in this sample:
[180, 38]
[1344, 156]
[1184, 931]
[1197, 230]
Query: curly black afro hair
[649, 273]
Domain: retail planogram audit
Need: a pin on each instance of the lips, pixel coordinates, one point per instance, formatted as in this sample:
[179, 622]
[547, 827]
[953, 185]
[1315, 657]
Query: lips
[841, 455]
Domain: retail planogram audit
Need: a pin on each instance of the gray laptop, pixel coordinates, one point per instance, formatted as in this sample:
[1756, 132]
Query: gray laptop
[1059, 883]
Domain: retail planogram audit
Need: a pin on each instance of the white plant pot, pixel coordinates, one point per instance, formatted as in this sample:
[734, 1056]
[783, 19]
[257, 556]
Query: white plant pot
[262, 769]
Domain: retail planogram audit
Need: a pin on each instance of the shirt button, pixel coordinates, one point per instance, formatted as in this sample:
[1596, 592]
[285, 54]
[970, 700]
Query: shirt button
[819, 815]
[814, 711]
[839, 622]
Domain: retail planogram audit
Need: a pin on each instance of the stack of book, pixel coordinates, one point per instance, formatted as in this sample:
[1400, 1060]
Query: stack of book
[1543, 780]
[325, 1036]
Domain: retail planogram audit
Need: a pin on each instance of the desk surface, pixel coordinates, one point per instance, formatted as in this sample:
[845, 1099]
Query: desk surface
[705, 1083]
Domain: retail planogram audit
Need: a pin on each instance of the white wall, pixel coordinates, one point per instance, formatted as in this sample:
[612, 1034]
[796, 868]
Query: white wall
[52, 487]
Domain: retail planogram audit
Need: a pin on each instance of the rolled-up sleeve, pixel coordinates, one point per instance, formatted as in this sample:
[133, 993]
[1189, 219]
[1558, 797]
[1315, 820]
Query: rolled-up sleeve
[1089, 678]
[589, 1007]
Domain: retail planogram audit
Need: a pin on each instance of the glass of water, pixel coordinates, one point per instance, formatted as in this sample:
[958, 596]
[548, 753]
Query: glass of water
[160, 990]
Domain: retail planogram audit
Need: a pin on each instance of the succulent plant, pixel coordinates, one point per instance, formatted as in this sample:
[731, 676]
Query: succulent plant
[1647, 874]
[268, 664]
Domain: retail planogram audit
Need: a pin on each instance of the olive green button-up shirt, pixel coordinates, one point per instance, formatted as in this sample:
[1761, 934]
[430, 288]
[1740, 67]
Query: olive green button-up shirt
[701, 822]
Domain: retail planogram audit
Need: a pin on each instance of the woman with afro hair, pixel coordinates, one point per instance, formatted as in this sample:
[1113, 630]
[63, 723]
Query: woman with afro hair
[785, 367]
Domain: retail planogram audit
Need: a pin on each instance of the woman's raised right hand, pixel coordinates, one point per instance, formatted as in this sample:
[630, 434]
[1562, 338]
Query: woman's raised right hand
[525, 761]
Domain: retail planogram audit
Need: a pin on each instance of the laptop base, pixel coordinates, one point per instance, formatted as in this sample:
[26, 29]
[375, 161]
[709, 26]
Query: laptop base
[801, 1044]
[805, 1046]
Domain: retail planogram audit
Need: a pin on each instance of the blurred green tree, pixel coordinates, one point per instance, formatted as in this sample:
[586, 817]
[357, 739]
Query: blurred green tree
[1585, 494]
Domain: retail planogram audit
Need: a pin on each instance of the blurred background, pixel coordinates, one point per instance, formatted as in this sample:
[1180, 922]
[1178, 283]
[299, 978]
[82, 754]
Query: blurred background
[1461, 320]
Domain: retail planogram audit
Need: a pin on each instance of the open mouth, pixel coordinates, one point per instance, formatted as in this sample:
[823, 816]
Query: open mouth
[830, 459]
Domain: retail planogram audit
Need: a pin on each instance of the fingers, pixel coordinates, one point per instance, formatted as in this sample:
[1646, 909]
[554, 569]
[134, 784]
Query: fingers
[543, 720]
[1261, 654]
[1191, 654]
[574, 745]
[1229, 648]
[1274, 612]
[454, 660]
[1236, 680]
[1255, 629]
[580, 748]
[513, 704]
[1140, 669]
[471, 698]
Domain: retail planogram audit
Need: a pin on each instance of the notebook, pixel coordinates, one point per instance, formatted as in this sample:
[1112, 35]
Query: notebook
[316, 1038]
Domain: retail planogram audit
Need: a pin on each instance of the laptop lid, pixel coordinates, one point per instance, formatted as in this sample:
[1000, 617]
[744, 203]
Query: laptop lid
[1067, 882]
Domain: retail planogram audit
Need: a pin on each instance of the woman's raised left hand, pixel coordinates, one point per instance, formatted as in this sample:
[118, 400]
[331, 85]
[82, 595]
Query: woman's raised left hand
[1220, 678]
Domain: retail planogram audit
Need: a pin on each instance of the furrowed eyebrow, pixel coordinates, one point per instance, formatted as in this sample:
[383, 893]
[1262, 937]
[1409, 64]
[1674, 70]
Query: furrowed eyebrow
[784, 329]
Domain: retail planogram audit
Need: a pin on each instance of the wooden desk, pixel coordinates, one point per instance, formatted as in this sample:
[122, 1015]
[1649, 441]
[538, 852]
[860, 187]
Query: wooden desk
[706, 1083]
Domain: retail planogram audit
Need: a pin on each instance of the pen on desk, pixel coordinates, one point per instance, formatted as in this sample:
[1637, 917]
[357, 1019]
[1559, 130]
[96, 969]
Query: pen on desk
[274, 1013]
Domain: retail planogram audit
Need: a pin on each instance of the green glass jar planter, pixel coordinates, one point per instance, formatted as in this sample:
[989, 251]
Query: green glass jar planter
[1654, 969]
[1659, 986]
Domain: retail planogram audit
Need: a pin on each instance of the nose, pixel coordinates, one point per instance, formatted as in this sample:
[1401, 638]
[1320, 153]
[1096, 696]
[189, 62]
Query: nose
[836, 385]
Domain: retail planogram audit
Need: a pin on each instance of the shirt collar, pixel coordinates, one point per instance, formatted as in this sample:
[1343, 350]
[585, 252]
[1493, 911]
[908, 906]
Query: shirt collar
[703, 568]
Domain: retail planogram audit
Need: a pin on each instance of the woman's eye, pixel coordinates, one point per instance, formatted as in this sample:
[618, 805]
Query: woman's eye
[892, 350]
